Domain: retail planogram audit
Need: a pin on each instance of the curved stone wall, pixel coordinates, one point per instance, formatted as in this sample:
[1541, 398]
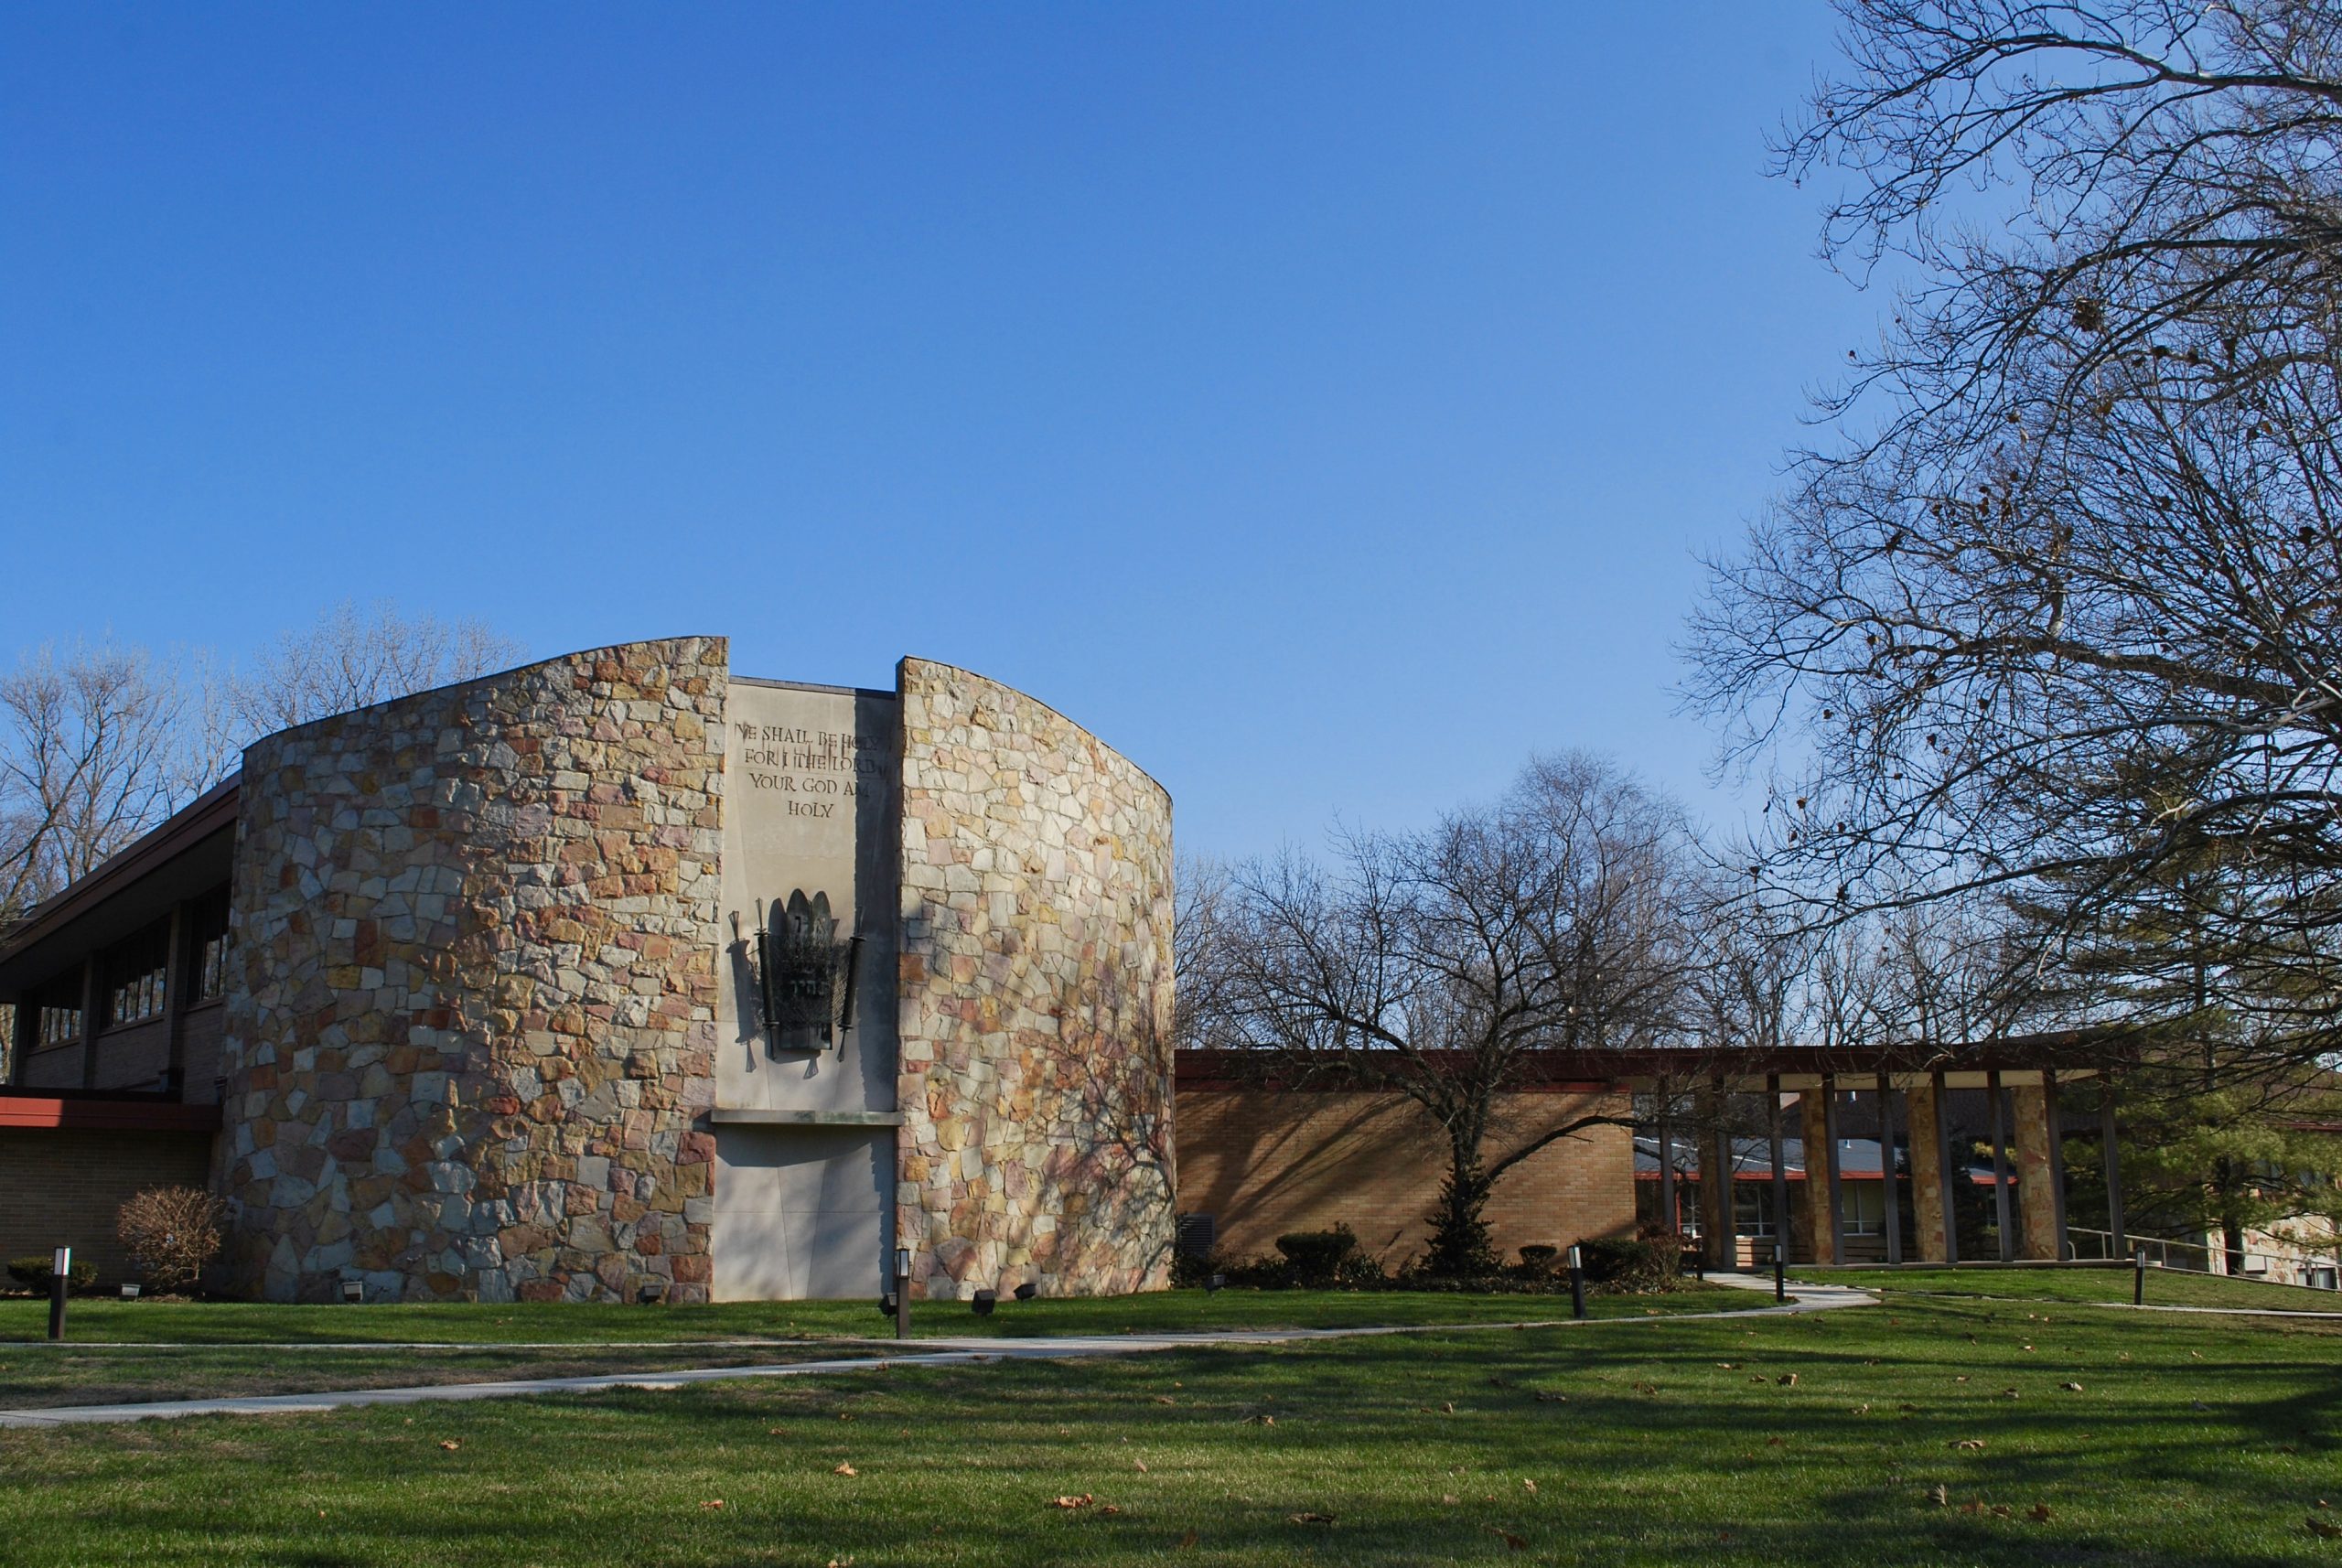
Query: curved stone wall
[476, 930]
[1035, 999]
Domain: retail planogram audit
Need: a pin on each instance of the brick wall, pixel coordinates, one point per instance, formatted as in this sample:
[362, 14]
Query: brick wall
[61, 1186]
[1266, 1162]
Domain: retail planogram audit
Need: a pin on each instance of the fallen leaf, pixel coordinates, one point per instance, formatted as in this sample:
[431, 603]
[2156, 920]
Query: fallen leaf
[1083, 1502]
[1447, 1407]
[1939, 1496]
[1140, 1466]
[1729, 1366]
[2003, 1511]
[1449, 1499]
[1552, 1399]
[1859, 1409]
[775, 1432]
[1164, 1399]
[2324, 1529]
[1313, 1518]
[1962, 1378]
[1511, 1541]
[2038, 1513]
[1187, 1539]
[1111, 1508]
[1970, 1443]
[1529, 1485]
[450, 1444]
[1787, 1379]
[845, 1469]
[713, 1503]
[1777, 1443]
[2071, 1388]
[1973, 1504]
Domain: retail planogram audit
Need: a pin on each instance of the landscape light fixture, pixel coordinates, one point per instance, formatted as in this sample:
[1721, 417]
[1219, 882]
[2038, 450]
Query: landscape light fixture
[130, 1293]
[983, 1303]
[1214, 1283]
[651, 1295]
[353, 1291]
[1027, 1291]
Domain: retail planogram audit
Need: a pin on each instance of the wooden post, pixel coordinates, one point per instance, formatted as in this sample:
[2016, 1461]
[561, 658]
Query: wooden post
[2110, 1155]
[1992, 1099]
[1887, 1183]
[92, 982]
[1780, 1170]
[1666, 1168]
[1949, 1173]
[2060, 1246]
[177, 974]
[1829, 1148]
[1716, 1183]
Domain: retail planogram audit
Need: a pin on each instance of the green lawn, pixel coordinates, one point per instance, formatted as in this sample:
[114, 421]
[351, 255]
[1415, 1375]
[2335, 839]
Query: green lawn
[2165, 1287]
[2199, 1441]
[251, 1322]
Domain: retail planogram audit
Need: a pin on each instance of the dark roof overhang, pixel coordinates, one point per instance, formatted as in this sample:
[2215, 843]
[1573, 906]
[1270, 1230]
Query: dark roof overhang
[186, 856]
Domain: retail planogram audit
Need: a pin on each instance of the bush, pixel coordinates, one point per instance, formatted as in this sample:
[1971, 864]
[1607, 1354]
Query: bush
[35, 1270]
[1316, 1257]
[1638, 1263]
[1538, 1258]
[171, 1233]
[1191, 1270]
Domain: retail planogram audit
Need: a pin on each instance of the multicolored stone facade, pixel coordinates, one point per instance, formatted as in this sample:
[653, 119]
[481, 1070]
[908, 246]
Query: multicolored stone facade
[473, 1040]
[1035, 999]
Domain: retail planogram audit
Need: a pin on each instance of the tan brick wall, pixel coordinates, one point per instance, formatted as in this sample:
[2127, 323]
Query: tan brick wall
[61, 1186]
[1266, 1162]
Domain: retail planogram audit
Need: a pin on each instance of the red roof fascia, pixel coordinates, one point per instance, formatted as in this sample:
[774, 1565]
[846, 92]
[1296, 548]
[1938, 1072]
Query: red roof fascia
[106, 1115]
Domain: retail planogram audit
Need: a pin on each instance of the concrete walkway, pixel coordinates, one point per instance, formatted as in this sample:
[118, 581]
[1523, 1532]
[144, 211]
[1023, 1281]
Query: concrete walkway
[955, 1351]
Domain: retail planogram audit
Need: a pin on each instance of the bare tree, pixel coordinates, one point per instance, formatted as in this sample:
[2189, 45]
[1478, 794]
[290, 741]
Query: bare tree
[88, 735]
[356, 655]
[1436, 965]
[2057, 612]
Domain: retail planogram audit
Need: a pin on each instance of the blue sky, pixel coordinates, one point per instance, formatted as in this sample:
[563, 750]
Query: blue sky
[1324, 404]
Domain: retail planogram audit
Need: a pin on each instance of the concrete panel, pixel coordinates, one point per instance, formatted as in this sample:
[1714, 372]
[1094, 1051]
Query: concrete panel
[801, 1213]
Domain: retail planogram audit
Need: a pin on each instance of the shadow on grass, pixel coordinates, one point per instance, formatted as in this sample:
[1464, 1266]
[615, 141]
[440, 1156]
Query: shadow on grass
[1677, 1444]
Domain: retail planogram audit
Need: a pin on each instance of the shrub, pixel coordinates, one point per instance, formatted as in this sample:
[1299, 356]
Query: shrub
[171, 1233]
[35, 1272]
[1625, 1264]
[1316, 1257]
[1191, 1270]
[1538, 1258]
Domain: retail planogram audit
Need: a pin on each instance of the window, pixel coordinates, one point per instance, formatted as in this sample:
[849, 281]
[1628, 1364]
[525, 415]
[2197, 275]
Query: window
[136, 973]
[213, 944]
[1752, 1208]
[1865, 1207]
[58, 1024]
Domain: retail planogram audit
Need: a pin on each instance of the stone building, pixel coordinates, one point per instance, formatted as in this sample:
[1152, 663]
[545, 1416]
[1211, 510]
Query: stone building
[622, 975]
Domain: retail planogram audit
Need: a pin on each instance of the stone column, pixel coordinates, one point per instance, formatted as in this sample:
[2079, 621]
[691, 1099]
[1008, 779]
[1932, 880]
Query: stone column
[1814, 1127]
[1931, 1207]
[2037, 1171]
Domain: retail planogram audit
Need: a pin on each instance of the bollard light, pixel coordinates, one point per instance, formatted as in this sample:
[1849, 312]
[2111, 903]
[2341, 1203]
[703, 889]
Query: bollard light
[60, 1274]
[900, 1303]
[1578, 1283]
[983, 1303]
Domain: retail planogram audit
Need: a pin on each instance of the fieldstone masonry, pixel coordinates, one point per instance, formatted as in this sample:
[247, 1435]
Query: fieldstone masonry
[1035, 997]
[475, 1025]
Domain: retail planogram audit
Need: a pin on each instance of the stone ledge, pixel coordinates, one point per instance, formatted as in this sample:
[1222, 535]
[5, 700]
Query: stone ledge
[760, 1116]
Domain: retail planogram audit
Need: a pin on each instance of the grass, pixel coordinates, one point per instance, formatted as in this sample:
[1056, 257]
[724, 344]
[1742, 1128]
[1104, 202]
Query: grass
[2204, 1441]
[2165, 1287]
[257, 1323]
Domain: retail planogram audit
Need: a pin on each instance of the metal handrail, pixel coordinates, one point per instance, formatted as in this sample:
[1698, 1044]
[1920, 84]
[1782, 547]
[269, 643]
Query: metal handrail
[2191, 1257]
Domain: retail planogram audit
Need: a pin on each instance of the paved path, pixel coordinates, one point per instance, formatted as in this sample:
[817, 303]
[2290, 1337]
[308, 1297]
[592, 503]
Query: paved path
[936, 1352]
